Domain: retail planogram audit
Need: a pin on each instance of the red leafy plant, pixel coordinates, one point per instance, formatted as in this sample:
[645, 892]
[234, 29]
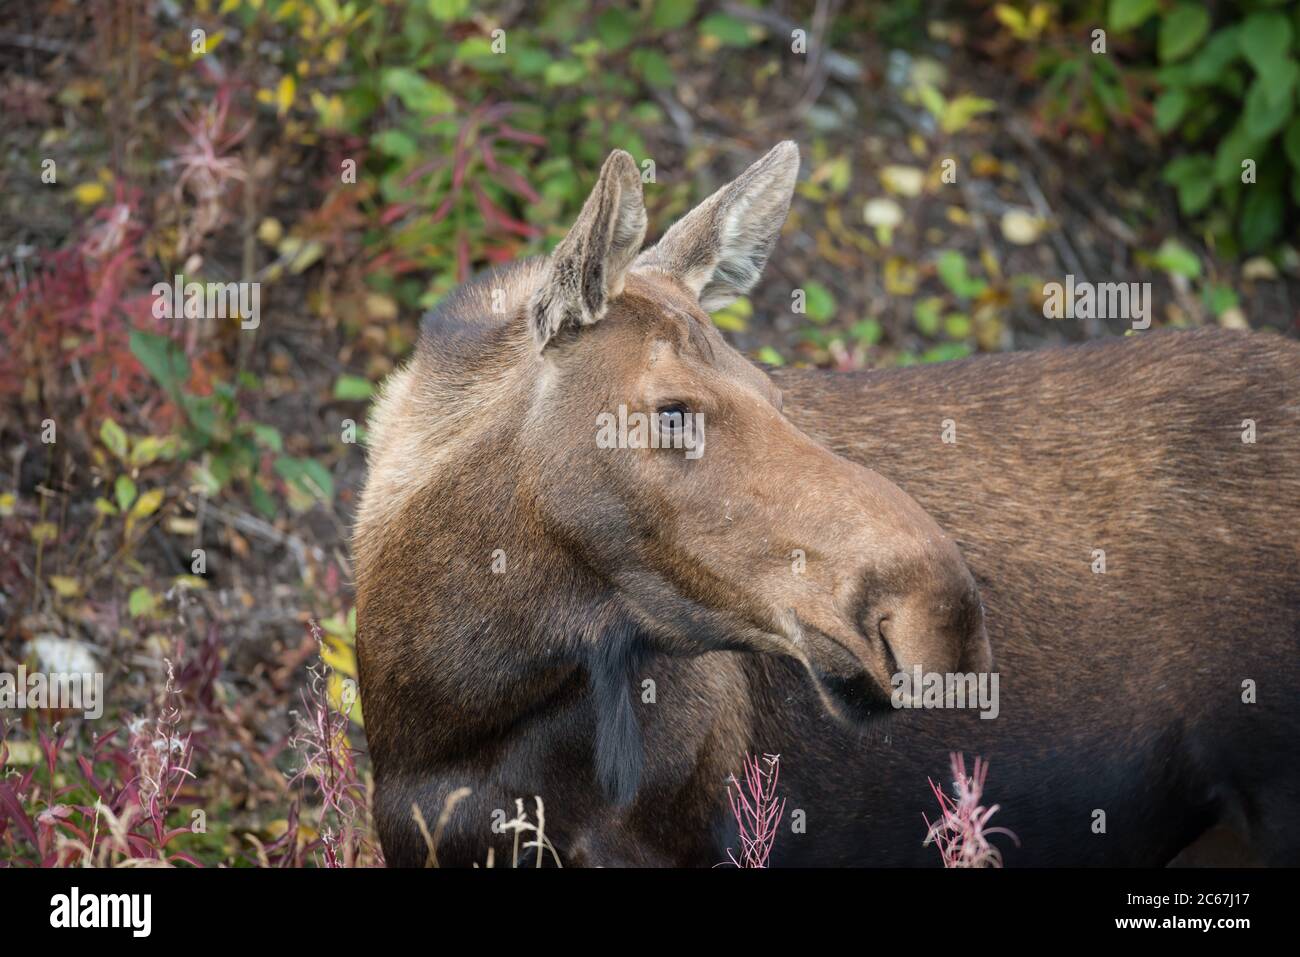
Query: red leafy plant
[961, 832]
[757, 811]
[65, 314]
[100, 821]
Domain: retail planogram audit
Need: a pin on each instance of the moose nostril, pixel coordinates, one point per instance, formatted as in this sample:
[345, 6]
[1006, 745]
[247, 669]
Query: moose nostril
[882, 629]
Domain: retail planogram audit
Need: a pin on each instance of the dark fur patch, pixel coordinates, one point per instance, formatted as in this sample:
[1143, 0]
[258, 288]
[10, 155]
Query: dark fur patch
[620, 752]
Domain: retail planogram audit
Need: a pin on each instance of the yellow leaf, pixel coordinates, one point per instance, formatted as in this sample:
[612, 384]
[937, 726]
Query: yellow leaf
[1233, 318]
[179, 525]
[23, 752]
[903, 180]
[284, 93]
[379, 306]
[270, 231]
[1011, 18]
[7, 502]
[1020, 227]
[342, 694]
[1039, 17]
[299, 253]
[735, 317]
[146, 450]
[961, 110]
[900, 277]
[339, 656]
[43, 532]
[65, 586]
[89, 194]
[147, 503]
[329, 109]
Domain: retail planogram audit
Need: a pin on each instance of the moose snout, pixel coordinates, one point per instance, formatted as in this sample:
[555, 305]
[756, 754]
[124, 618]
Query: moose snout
[938, 627]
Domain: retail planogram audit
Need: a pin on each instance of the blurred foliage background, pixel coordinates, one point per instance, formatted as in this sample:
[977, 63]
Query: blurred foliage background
[359, 159]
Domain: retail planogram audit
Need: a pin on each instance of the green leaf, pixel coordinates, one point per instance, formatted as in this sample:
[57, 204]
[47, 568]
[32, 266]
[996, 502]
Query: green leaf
[564, 72]
[819, 302]
[268, 437]
[1291, 142]
[927, 315]
[448, 10]
[932, 100]
[1265, 38]
[1174, 257]
[726, 29]
[1220, 298]
[1233, 149]
[417, 94]
[615, 28]
[1265, 113]
[770, 356]
[1193, 176]
[653, 67]
[867, 331]
[957, 326]
[1261, 216]
[262, 500]
[124, 492]
[671, 14]
[162, 358]
[946, 351]
[308, 474]
[352, 387]
[141, 602]
[114, 438]
[1210, 63]
[395, 143]
[1128, 14]
[1170, 107]
[1182, 30]
[952, 271]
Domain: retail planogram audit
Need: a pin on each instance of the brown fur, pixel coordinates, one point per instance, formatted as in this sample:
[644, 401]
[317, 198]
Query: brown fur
[1120, 692]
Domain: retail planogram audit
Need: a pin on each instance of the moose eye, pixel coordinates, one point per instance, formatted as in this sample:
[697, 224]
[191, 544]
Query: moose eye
[672, 415]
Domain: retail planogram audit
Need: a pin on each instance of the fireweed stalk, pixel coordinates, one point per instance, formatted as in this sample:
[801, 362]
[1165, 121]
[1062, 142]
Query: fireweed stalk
[329, 762]
[961, 832]
[757, 811]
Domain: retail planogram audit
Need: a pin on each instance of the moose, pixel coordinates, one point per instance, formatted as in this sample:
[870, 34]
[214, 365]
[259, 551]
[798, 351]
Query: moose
[1112, 528]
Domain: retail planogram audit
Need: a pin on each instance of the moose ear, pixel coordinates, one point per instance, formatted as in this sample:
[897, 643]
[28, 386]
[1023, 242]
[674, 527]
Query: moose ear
[720, 247]
[587, 268]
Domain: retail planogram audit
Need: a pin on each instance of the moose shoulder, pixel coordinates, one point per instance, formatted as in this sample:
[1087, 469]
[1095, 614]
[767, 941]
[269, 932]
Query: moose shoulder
[612, 628]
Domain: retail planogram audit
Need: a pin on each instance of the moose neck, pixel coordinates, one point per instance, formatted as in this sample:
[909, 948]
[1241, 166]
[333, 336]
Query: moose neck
[513, 621]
